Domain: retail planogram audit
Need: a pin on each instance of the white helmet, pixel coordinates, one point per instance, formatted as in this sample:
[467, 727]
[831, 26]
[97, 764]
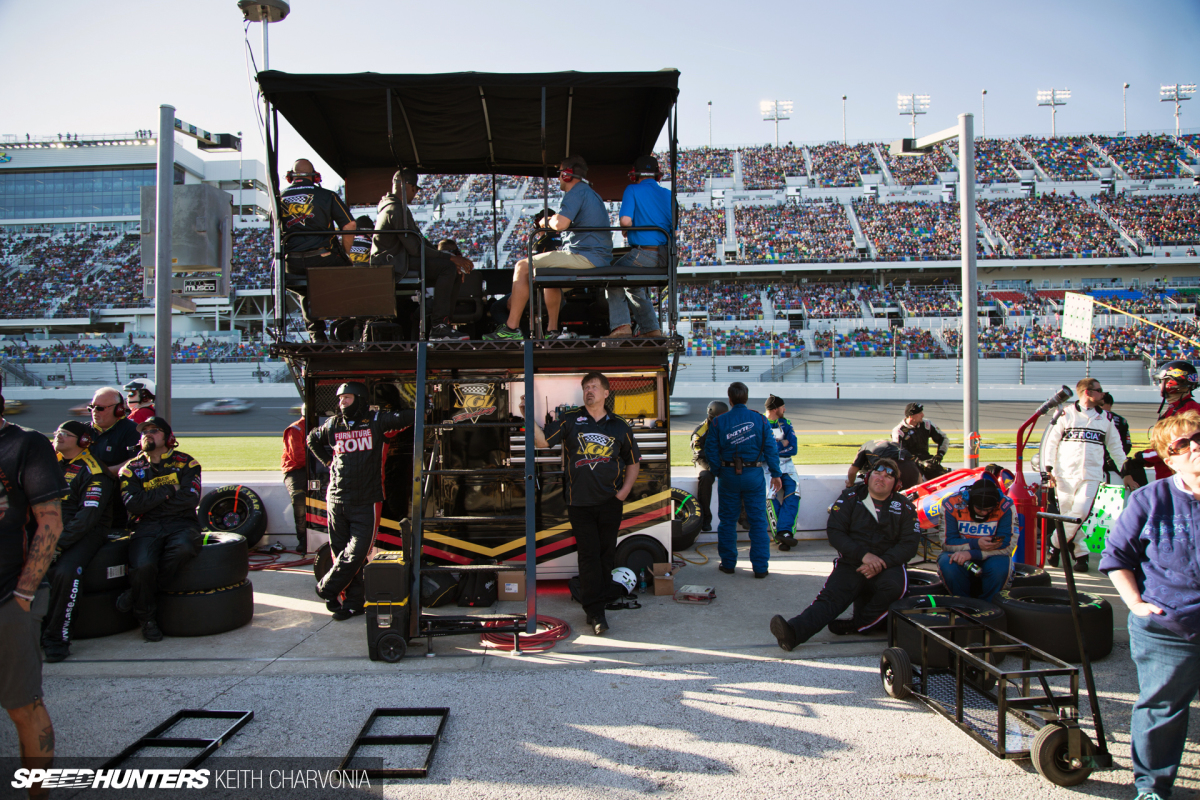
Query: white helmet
[143, 387]
[625, 577]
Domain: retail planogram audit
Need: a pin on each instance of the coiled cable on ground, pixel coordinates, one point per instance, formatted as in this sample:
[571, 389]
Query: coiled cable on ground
[260, 560]
[555, 631]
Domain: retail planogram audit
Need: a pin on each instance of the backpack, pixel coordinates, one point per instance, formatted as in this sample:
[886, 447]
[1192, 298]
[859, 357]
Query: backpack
[478, 589]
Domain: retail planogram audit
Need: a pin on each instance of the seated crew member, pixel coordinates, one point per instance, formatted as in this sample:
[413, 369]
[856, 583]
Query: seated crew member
[139, 396]
[979, 531]
[309, 207]
[874, 528]
[581, 208]
[87, 519]
[876, 449]
[360, 247]
[914, 433]
[442, 269]
[706, 478]
[161, 488]
[644, 204]
[786, 502]
[115, 441]
[350, 444]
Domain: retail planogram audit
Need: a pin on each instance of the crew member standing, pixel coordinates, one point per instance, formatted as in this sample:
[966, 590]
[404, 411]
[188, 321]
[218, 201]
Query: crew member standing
[785, 502]
[350, 444]
[914, 434]
[1176, 382]
[705, 480]
[644, 204]
[601, 465]
[139, 396]
[739, 443]
[295, 476]
[308, 207]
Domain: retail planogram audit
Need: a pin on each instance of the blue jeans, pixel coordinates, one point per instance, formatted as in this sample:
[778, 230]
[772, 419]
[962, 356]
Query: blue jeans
[732, 492]
[1168, 668]
[996, 574]
[622, 299]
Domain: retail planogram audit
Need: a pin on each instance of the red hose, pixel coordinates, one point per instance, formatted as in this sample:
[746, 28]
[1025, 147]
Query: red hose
[556, 631]
[261, 561]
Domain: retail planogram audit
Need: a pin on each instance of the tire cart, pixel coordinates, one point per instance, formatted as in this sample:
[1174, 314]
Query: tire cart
[1013, 712]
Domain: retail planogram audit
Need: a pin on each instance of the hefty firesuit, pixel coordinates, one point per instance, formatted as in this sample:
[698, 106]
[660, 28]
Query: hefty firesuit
[857, 526]
[964, 530]
[786, 501]
[351, 444]
[739, 443]
[161, 500]
[87, 518]
[1074, 450]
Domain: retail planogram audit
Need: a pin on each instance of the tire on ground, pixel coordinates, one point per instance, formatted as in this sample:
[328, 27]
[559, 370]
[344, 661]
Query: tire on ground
[924, 581]
[323, 561]
[638, 552]
[223, 560]
[1040, 616]
[687, 513]
[109, 568]
[96, 615]
[205, 613]
[1025, 575]
[234, 509]
[926, 610]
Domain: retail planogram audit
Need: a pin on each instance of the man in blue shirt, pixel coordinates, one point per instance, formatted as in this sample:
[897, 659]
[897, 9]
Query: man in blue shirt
[581, 208]
[786, 502]
[644, 203]
[739, 444]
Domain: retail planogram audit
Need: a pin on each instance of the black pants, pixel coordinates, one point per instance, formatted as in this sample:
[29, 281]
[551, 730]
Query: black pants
[298, 265]
[66, 580]
[871, 598]
[446, 281]
[704, 487]
[296, 482]
[156, 552]
[595, 529]
[351, 535]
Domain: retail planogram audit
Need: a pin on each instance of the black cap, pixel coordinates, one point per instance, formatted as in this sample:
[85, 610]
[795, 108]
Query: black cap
[406, 176]
[156, 422]
[76, 428]
[647, 165]
[913, 408]
[774, 402]
[1106, 400]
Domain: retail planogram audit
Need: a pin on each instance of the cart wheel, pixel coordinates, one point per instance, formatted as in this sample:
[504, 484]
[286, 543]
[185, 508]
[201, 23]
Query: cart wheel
[392, 647]
[1052, 760]
[896, 671]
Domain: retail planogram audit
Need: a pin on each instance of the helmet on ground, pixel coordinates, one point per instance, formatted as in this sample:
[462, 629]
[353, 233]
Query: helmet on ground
[142, 387]
[358, 407]
[1176, 376]
[625, 577]
[716, 408]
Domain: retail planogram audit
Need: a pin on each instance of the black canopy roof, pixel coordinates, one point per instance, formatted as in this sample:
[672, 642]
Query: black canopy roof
[473, 122]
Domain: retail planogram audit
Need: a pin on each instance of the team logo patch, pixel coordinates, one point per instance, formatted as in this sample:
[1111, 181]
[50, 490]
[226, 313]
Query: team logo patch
[595, 448]
[475, 400]
[1084, 435]
[351, 441]
[297, 209]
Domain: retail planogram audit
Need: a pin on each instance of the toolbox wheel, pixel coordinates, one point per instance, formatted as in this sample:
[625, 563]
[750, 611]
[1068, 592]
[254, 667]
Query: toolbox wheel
[1052, 760]
[392, 647]
[896, 671]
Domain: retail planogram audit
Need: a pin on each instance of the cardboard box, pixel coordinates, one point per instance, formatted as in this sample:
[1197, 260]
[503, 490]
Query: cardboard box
[664, 579]
[511, 585]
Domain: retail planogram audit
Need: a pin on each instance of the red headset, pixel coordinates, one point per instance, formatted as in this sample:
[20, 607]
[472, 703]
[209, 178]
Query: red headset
[120, 410]
[635, 176]
[566, 174]
[85, 439]
[292, 176]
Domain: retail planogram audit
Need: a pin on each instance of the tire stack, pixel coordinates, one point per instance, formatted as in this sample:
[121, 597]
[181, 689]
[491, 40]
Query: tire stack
[105, 577]
[210, 594]
[234, 509]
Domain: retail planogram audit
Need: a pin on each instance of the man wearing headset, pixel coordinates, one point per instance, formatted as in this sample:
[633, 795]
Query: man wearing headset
[139, 396]
[581, 208]
[161, 489]
[644, 204]
[308, 207]
[979, 529]
[116, 440]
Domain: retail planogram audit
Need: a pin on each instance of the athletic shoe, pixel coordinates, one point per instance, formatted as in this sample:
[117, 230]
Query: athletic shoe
[784, 633]
[787, 539]
[150, 631]
[343, 613]
[125, 601]
[1081, 564]
[762, 574]
[503, 333]
[446, 333]
[725, 569]
[620, 332]
[566, 334]
[1052, 557]
[53, 652]
[841, 627]
[706, 527]
[1144, 795]
[333, 606]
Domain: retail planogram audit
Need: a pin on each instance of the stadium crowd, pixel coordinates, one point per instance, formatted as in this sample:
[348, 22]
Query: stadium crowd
[768, 167]
[714, 342]
[1051, 225]
[804, 231]
[473, 233]
[913, 231]
[700, 232]
[1065, 158]
[64, 351]
[836, 164]
[1165, 219]
[1146, 156]
[995, 160]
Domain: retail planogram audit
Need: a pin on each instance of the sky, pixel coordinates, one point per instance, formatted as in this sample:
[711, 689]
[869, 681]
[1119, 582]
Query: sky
[106, 67]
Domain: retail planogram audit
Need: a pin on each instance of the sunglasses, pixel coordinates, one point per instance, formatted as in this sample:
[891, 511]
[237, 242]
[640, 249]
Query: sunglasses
[96, 407]
[885, 469]
[148, 431]
[1184, 443]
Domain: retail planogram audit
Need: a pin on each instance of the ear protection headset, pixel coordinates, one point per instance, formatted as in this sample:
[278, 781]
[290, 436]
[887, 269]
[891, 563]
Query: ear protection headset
[85, 439]
[635, 176]
[292, 176]
[567, 174]
[120, 410]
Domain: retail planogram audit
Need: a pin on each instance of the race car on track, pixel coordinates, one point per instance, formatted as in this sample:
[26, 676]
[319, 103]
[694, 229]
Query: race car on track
[226, 405]
[13, 407]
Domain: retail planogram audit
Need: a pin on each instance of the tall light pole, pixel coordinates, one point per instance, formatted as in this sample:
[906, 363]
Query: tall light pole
[1177, 93]
[776, 111]
[1053, 98]
[1124, 118]
[983, 120]
[911, 105]
[710, 123]
[844, 142]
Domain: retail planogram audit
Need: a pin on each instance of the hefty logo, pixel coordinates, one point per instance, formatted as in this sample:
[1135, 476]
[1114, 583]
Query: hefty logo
[980, 529]
[351, 441]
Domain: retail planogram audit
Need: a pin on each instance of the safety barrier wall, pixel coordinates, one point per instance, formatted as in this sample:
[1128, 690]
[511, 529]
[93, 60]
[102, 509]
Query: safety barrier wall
[90, 373]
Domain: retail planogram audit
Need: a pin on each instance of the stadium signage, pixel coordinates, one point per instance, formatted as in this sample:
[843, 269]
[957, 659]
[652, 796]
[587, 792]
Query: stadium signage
[739, 368]
[200, 286]
[5, 158]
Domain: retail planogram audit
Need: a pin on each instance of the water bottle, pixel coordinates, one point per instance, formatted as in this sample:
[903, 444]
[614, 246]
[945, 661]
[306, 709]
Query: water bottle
[973, 568]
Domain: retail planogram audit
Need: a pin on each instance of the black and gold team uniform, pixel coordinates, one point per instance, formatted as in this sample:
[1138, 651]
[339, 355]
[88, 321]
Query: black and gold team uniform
[308, 207]
[595, 455]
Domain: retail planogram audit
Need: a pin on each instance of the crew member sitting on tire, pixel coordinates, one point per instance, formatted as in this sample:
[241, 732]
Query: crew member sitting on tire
[785, 502]
[914, 433]
[979, 529]
[875, 531]
[706, 479]
[161, 488]
[350, 444]
[87, 519]
[139, 396]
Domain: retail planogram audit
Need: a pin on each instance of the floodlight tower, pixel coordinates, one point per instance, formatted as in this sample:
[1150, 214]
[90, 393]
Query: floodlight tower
[776, 111]
[1124, 108]
[983, 97]
[1053, 98]
[844, 142]
[911, 105]
[1177, 93]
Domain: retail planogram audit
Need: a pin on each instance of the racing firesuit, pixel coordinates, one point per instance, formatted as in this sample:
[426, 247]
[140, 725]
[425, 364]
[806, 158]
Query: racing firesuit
[353, 451]
[1074, 449]
[785, 502]
[964, 533]
[859, 525]
[161, 500]
[87, 518]
[1136, 465]
[739, 442]
[915, 439]
[705, 479]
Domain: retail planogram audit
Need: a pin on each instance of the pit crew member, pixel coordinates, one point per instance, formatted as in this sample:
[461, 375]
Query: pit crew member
[1176, 382]
[786, 501]
[978, 539]
[705, 480]
[139, 396]
[644, 204]
[914, 434]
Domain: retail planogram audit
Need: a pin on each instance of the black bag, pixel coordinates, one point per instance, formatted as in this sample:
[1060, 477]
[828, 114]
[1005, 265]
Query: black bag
[478, 589]
[438, 589]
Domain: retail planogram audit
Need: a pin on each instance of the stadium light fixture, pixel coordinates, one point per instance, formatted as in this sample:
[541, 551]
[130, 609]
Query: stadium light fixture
[1053, 98]
[844, 142]
[983, 120]
[1177, 93]
[1124, 118]
[776, 111]
[912, 105]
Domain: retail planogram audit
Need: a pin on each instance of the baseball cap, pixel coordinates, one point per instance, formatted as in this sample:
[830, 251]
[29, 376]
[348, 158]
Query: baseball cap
[406, 176]
[76, 428]
[646, 164]
[156, 422]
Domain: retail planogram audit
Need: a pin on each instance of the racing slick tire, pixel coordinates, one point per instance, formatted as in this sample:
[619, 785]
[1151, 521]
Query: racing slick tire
[1025, 575]
[234, 509]
[924, 581]
[206, 613]
[109, 568]
[1040, 616]
[223, 560]
[930, 610]
[687, 514]
[639, 552]
[96, 615]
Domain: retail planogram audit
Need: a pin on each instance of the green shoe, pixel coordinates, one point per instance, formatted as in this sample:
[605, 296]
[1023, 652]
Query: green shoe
[503, 333]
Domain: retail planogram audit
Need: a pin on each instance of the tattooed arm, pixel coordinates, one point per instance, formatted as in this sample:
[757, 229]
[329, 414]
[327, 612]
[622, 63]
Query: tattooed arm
[41, 549]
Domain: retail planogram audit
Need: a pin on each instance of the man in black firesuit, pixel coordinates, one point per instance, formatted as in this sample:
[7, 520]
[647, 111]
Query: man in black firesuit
[1106, 404]
[161, 488]
[706, 479]
[308, 207]
[914, 434]
[351, 444]
[87, 519]
[875, 531]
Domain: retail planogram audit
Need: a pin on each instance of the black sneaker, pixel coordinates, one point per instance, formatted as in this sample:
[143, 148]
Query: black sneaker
[599, 625]
[343, 613]
[784, 633]
[1081, 564]
[446, 333]
[503, 333]
[53, 652]
[1052, 557]
[125, 601]
[150, 631]
[726, 570]
[706, 527]
[841, 627]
